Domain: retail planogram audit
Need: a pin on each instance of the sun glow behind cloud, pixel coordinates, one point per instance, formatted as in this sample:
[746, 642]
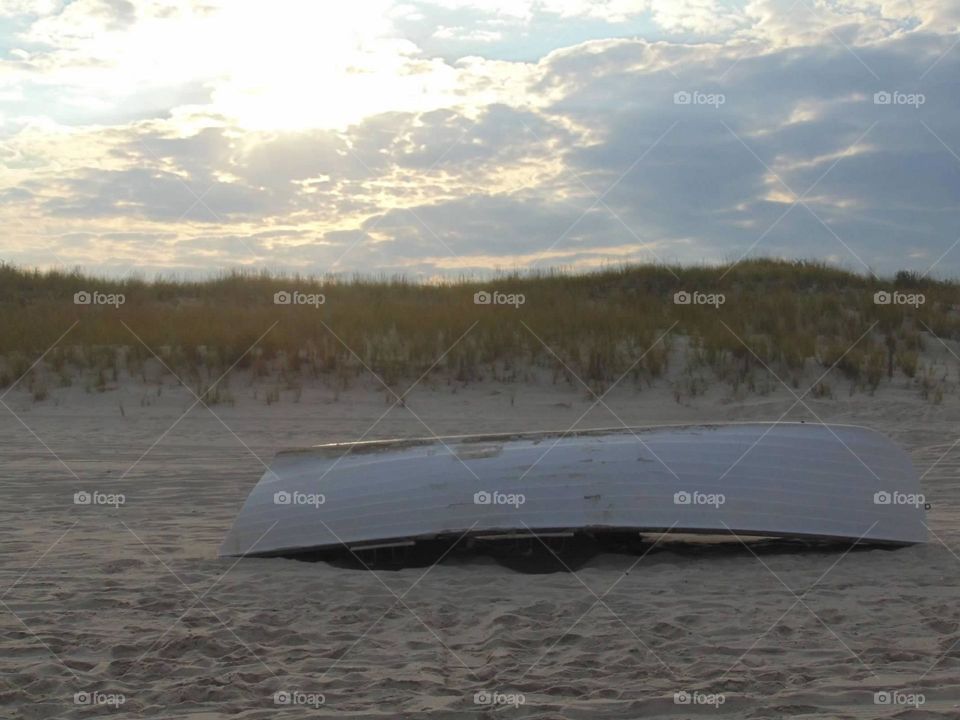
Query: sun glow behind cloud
[321, 65]
[300, 64]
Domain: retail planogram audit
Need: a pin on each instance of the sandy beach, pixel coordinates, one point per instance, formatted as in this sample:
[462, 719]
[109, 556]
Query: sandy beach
[131, 602]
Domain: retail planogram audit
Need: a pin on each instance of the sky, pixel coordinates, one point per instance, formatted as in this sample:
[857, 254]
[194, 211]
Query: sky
[448, 138]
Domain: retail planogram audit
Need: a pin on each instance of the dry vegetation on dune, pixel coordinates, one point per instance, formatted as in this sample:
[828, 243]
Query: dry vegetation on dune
[797, 318]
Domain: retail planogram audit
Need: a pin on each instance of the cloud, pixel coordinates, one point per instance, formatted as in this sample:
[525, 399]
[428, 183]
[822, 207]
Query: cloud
[766, 139]
[701, 17]
[460, 32]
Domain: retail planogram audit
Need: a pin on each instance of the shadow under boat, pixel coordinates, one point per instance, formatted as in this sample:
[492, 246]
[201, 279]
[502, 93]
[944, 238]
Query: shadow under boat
[568, 551]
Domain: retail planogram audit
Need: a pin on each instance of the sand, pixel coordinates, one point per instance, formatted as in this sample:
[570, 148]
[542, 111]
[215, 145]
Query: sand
[133, 600]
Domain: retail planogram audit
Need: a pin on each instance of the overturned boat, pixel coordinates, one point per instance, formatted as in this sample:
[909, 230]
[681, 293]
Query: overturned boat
[780, 480]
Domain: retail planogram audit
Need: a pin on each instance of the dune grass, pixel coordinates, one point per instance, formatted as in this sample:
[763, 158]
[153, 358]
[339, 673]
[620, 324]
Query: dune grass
[789, 316]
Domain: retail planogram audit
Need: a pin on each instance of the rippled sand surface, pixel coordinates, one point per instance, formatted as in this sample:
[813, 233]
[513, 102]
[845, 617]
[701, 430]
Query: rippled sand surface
[133, 601]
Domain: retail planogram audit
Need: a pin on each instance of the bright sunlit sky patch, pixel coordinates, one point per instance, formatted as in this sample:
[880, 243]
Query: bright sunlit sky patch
[457, 136]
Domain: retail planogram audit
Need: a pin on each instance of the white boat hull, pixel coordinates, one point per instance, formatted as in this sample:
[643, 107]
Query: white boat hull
[782, 480]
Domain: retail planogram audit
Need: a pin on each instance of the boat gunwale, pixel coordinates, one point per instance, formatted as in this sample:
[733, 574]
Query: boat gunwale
[458, 536]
